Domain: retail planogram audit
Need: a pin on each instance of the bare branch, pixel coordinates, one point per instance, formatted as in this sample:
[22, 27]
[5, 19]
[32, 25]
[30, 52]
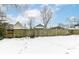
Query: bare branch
[46, 15]
[30, 22]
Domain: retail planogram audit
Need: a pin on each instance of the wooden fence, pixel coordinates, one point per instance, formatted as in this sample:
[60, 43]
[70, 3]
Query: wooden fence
[35, 32]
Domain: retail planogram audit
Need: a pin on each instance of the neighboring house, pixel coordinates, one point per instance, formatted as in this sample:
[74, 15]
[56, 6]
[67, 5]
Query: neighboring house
[18, 25]
[58, 27]
[72, 26]
[77, 26]
[39, 26]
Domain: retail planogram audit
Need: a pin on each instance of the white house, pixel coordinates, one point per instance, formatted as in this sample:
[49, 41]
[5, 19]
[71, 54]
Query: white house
[18, 25]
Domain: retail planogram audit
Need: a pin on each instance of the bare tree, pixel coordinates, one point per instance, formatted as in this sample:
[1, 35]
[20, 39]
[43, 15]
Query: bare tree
[30, 22]
[2, 14]
[2, 20]
[73, 20]
[16, 7]
[46, 15]
[20, 7]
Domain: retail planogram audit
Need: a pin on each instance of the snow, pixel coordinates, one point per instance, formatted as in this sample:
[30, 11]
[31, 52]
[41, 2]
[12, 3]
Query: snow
[38, 45]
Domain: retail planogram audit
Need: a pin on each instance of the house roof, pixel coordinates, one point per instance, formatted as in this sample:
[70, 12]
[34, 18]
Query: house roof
[39, 26]
[76, 25]
[57, 27]
[18, 25]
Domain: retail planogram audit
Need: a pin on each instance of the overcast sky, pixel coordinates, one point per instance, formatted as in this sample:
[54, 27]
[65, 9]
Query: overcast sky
[60, 13]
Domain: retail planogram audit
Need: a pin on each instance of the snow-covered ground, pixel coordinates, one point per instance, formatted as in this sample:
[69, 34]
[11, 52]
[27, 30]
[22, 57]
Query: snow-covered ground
[49, 45]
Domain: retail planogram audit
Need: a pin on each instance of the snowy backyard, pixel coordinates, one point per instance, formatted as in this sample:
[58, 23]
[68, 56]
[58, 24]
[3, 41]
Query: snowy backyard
[46, 45]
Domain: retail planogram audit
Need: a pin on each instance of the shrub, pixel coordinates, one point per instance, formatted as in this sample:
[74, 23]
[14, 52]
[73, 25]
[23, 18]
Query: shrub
[1, 37]
[71, 31]
[32, 36]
